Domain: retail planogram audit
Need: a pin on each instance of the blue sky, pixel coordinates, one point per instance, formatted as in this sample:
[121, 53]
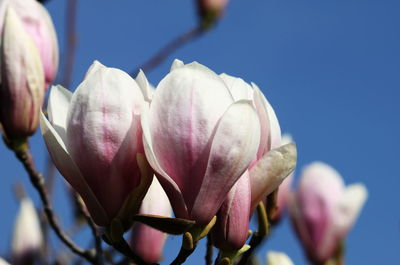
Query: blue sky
[329, 68]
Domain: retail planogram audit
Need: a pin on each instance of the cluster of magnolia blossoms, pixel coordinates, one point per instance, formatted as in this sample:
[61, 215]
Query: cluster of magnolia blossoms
[28, 62]
[212, 141]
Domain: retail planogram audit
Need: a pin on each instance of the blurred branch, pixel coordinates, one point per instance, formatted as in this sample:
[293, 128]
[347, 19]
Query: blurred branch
[187, 248]
[209, 251]
[168, 49]
[93, 228]
[258, 236]
[71, 39]
[23, 154]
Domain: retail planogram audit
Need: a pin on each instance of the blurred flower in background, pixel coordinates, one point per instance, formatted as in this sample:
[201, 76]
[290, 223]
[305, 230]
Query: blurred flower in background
[27, 238]
[278, 258]
[323, 210]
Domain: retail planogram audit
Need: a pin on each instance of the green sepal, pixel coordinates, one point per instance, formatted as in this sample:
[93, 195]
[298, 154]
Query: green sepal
[173, 226]
[231, 255]
[200, 231]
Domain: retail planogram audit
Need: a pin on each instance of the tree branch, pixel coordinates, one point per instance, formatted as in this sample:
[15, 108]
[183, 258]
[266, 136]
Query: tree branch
[168, 49]
[24, 156]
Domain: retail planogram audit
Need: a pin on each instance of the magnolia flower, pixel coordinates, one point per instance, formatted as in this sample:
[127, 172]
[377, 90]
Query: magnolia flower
[94, 138]
[198, 139]
[22, 79]
[231, 230]
[28, 62]
[323, 210]
[27, 236]
[278, 258]
[148, 242]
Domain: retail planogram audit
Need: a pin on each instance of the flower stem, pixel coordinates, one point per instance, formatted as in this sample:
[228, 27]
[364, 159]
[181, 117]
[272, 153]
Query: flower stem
[168, 49]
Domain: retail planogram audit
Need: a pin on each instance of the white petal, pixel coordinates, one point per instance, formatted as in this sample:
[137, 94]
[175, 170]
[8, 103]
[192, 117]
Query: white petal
[144, 85]
[234, 146]
[262, 105]
[350, 205]
[271, 170]
[238, 88]
[57, 109]
[169, 186]
[70, 171]
[176, 64]
[278, 258]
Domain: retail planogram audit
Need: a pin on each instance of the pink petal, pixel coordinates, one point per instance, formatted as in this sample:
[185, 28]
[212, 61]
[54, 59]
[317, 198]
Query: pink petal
[233, 147]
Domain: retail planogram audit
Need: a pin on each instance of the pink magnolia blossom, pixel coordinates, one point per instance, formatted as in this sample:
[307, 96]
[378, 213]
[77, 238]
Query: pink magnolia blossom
[38, 24]
[22, 79]
[198, 139]
[274, 165]
[148, 242]
[323, 210]
[94, 137]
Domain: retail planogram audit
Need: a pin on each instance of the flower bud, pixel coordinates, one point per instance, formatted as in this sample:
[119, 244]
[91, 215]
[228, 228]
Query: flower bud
[323, 210]
[232, 227]
[278, 258]
[22, 79]
[38, 25]
[211, 9]
[148, 242]
[27, 236]
[198, 139]
[94, 138]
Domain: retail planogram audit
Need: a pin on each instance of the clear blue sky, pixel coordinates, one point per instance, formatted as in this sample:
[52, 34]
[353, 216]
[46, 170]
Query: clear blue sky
[329, 68]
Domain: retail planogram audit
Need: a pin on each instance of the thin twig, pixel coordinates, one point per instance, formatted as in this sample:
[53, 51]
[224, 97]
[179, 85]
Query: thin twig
[71, 40]
[93, 228]
[209, 251]
[37, 180]
[168, 49]
[182, 256]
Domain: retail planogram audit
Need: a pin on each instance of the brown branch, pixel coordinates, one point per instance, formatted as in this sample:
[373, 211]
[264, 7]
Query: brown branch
[24, 156]
[168, 49]
[209, 251]
[93, 228]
